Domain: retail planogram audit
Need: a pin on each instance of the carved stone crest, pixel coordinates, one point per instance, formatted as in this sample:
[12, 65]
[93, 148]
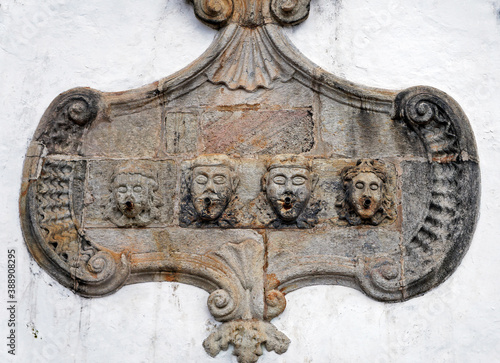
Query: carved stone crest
[250, 174]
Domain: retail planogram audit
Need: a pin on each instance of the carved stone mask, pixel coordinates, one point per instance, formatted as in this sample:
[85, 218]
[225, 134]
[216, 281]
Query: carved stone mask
[131, 192]
[366, 194]
[288, 190]
[211, 190]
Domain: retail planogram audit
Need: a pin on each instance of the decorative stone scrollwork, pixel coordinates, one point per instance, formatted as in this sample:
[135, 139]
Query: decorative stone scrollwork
[381, 278]
[290, 12]
[246, 330]
[249, 62]
[91, 270]
[440, 124]
[220, 304]
[68, 118]
[214, 13]
[431, 117]
[276, 304]
[81, 109]
[247, 337]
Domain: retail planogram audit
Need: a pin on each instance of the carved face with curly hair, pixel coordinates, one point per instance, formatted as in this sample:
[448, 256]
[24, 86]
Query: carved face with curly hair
[133, 201]
[366, 199]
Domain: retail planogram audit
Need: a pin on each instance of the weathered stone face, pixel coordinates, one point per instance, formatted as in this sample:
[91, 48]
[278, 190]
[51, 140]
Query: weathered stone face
[211, 190]
[366, 194]
[288, 191]
[134, 201]
[366, 198]
[132, 194]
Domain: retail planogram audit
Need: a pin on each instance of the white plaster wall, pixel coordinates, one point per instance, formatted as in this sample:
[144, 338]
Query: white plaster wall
[47, 47]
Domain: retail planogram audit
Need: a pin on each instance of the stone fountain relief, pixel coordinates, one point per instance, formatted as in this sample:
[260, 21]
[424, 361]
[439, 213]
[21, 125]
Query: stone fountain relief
[250, 174]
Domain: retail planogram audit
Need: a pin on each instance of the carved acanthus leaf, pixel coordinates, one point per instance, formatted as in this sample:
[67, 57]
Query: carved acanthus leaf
[246, 336]
[246, 262]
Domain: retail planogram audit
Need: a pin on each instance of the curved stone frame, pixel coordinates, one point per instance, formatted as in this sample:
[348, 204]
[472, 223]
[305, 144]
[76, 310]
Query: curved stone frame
[430, 247]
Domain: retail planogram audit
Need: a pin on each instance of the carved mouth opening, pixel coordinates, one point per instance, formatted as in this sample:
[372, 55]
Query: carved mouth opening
[288, 203]
[367, 203]
[207, 202]
[129, 205]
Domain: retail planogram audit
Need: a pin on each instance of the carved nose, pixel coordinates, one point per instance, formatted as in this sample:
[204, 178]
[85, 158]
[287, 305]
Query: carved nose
[210, 186]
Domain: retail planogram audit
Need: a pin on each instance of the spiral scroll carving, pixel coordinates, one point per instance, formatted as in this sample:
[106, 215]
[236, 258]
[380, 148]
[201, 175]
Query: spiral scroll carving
[438, 122]
[81, 110]
[385, 275]
[214, 13]
[290, 12]
[380, 278]
[276, 303]
[420, 109]
[92, 270]
[73, 112]
[101, 262]
[220, 303]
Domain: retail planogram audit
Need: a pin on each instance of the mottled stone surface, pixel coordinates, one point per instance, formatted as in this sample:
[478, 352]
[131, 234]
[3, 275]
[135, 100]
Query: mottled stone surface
[286, 95]
[257, 132]
[169, 240]
[343, 242]
[414, 182]
[181, 132]
[353, 133]
[126, 135]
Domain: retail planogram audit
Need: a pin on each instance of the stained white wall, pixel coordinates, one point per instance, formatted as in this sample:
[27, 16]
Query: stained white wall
[49, 46]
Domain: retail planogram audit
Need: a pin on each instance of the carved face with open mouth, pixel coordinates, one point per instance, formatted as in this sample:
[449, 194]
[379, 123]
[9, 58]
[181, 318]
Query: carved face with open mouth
[131, 192]
[366, 194]
[288, 190]
[211, 190]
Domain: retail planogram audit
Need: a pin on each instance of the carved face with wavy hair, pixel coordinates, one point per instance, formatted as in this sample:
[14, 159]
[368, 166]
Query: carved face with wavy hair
[288, 184]
[133, 201]
[213, 182]
[366, 199]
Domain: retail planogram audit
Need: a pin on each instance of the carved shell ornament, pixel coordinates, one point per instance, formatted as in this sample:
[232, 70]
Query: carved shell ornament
[249, 200]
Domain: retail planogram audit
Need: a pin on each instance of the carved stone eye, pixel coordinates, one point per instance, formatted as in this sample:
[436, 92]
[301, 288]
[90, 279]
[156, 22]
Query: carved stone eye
[201, 179]
[138, 189]
[373, 186]
[122, 189]
[360, 185]
[298, 180]
[219, 179]
[280, 180]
